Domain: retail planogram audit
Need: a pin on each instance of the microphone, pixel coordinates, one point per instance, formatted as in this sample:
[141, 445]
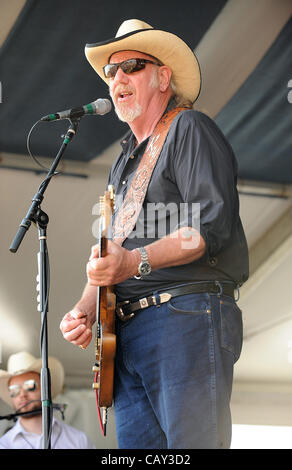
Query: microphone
[100, 106]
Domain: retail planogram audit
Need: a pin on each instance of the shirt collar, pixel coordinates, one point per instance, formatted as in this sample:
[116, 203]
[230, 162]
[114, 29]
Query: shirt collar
[128, 141]
[19, 429]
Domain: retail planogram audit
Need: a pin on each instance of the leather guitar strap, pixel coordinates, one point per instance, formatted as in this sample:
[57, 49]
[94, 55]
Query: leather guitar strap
[129, 211]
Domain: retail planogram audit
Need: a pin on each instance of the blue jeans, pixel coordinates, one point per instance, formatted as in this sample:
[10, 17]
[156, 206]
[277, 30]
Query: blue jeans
[174, 373]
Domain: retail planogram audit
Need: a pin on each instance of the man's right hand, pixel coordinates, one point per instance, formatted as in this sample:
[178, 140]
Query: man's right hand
[76, 328]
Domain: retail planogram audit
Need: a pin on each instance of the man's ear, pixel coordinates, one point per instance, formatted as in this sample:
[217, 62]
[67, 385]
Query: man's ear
[164, 77]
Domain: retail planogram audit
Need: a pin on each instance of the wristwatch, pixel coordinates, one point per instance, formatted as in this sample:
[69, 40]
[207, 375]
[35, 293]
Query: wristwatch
[144, 267]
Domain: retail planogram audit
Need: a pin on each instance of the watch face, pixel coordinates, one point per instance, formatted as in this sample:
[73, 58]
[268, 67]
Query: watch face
[144, 269]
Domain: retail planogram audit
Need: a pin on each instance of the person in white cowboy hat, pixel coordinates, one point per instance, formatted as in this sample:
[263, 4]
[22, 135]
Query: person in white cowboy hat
[20, 388]
[178, 253]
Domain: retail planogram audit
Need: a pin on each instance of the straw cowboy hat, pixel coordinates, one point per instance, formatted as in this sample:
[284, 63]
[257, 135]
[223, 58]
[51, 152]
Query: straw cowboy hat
[23, 362]
[136, 35]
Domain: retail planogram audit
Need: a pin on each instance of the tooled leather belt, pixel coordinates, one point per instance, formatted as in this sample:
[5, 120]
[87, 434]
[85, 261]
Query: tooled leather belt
[126, 309]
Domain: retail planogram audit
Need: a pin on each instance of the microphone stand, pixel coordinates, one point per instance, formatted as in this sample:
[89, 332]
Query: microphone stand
[41, 219]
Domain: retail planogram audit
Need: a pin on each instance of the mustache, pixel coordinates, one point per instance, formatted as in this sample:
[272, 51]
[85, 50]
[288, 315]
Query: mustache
[120, 89]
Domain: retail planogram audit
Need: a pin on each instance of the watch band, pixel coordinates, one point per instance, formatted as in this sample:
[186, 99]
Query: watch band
[143, 253]
[144, 267]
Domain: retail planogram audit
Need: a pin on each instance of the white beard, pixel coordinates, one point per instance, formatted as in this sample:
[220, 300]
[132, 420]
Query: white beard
[127, 114]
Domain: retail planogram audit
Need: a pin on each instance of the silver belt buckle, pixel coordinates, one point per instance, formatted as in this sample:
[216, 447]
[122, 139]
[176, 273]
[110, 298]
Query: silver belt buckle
[120, 313]
[164, 297]
[143, 302]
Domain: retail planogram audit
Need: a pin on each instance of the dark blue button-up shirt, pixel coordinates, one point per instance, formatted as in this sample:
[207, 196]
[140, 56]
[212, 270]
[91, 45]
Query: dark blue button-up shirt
[192, 184]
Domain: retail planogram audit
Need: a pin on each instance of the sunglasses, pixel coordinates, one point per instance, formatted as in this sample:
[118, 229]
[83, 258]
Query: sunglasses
[28, 386]
[127, 66]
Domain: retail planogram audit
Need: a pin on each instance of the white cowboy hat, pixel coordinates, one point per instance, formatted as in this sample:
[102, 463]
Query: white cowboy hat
[136, 35]
[23, 362]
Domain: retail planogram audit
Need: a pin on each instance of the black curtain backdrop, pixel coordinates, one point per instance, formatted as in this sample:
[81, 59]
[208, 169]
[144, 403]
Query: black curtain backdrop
[44, 69]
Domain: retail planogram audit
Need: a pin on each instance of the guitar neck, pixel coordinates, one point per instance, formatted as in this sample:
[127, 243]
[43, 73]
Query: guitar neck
[103, 243]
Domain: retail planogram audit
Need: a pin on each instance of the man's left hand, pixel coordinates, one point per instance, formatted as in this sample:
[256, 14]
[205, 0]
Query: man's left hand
[116, 266]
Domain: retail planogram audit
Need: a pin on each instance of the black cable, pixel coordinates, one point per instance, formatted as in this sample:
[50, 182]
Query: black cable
[46, 299]
[13, 416]
[32, 156]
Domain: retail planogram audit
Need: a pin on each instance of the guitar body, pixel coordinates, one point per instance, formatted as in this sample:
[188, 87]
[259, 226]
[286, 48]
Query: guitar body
[105, 348]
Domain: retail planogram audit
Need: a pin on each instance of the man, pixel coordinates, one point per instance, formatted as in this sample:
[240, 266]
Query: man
[179, 330]
[20, 388]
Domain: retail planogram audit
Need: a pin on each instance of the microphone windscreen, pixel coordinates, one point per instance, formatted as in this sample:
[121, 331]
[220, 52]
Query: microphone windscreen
[102, 106]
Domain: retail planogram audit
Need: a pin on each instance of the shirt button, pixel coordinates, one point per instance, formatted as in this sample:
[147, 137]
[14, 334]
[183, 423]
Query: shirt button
[132, 156]
[124, 182]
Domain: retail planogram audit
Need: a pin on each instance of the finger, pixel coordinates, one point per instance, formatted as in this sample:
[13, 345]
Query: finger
[84, 339]
[94, 252]
[92, 276]
[78, 315]
[87, 341]
[73, 335]
[96, 264]
[98, 267]
[67, 318]
[69, 325]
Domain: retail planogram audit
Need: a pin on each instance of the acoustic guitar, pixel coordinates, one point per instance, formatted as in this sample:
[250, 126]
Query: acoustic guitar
[105, 345]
